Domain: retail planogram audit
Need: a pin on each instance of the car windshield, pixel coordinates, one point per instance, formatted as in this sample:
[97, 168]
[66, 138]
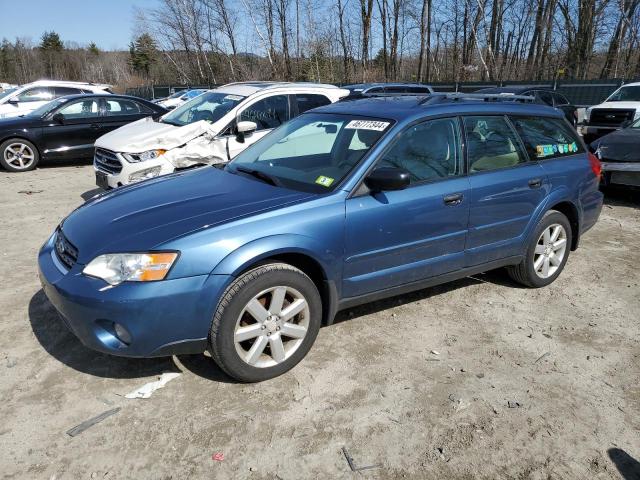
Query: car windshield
[7, 92]
[313, 152]
[626, 94]
[211, 107]
[47, 108]
[191, 94]
[177, 94]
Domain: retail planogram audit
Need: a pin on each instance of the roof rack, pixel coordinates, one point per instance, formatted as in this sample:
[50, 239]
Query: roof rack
[484, 97]
[360, 95]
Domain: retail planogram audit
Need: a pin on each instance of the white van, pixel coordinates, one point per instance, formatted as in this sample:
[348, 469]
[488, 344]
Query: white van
[212, 128]
[26, 98]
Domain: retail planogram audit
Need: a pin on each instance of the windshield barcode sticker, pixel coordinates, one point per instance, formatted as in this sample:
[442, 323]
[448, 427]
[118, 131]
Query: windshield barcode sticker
[367, 125]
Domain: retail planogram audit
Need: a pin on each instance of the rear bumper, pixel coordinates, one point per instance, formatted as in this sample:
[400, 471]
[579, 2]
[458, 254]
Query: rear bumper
[621, 173]
[162, 318]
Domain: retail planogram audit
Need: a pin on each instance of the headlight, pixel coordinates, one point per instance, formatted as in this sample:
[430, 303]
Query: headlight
[144, 156]
[115, 268]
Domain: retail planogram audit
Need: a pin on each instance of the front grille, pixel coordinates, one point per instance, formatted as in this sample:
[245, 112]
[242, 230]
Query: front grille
[107, 161]
[66, 252]
[610, 117]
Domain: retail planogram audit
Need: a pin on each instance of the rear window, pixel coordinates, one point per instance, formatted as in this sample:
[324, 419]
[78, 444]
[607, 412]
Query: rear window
[547, 137]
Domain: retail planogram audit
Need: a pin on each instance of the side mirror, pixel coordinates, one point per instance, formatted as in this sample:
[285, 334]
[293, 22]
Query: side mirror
[58, 118]
[387, 178]
[244, 129]
[13, 101]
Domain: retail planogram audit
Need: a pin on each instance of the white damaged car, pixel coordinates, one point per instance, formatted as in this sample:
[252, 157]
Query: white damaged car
[210, 129]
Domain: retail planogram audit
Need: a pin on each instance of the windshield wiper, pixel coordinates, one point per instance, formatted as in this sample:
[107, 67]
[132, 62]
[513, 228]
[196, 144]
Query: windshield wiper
[259, 175]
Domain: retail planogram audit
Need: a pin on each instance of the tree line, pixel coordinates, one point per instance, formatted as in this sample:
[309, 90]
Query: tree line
[347, 41]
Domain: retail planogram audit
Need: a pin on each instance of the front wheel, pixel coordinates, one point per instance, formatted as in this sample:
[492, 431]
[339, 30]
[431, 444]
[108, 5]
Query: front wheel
[266, 322]
[18, 155]
[547, 253]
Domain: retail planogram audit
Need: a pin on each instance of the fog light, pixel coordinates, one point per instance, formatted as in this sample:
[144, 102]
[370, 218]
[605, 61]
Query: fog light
[123, 335]
[144, 174]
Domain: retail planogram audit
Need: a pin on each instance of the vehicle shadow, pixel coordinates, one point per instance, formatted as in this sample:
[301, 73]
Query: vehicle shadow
[63, 345]
[496, 277]
[621, 197]
[628, 466]
[73, 162]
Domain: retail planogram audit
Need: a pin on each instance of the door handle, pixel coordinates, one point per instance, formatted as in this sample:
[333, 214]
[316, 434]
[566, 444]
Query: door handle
[535, 183]
[95, 126]
[453, 199]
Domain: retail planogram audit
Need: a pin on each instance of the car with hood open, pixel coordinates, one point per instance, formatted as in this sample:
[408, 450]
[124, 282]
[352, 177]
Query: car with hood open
[209, 129]
[348, 203]
[619, 153]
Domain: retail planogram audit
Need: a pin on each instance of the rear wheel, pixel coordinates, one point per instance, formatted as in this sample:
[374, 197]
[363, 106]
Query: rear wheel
[547, 253]
[18, 155]
[265, 323]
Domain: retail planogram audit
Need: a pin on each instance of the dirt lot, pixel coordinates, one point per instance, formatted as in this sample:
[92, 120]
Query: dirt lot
[473, 379]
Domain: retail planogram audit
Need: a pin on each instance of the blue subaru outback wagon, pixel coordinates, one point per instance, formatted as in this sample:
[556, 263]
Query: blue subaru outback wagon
[348, 203]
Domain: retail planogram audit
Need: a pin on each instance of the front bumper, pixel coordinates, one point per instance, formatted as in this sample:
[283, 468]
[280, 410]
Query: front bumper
[163, 318]
[129, 170]
[621, 173]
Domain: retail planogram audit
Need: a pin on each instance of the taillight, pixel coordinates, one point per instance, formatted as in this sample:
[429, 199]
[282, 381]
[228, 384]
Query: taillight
[596, 166]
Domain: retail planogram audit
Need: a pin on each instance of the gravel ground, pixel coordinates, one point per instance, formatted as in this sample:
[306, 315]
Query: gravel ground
[473, 379]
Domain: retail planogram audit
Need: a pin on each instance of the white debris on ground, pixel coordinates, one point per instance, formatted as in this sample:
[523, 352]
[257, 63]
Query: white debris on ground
[147, 389]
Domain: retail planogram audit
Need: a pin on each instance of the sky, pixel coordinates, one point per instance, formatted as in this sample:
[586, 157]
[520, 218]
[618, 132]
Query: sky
[108, 23]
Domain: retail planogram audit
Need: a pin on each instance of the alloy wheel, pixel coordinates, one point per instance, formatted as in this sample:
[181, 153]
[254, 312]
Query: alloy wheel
[19, 155]
[272, 326]
[550, 250]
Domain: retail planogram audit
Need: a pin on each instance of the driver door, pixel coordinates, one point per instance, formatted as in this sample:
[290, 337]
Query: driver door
[268, 113]
[74, 137]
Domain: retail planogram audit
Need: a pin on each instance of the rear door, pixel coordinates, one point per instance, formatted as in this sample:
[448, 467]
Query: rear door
[506, 188]
[267, 112]
[73, 137]
[398, 237]
[117, 112]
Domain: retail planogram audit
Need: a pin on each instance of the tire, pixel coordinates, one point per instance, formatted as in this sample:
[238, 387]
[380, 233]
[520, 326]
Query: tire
[18, 155]
[541, 252]
[249, 337]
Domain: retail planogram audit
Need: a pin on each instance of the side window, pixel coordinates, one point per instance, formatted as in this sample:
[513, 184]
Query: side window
[142, 108]
[423, 90]
[309, 101]
[80, 109]
[36, 94]
[428, 151]
[545, 97]
[269, 112]
[491, 144]
[121, 107]
[547, 137]
[62, 91]
[560, 99]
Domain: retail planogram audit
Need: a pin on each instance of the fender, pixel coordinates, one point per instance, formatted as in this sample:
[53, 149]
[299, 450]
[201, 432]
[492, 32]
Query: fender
[249, 254]
[560, 194]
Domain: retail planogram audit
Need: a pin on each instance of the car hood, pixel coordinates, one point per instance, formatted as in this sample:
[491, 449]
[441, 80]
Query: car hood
[619, 146]
[147, 134]
[146, 215]
[624, 105]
